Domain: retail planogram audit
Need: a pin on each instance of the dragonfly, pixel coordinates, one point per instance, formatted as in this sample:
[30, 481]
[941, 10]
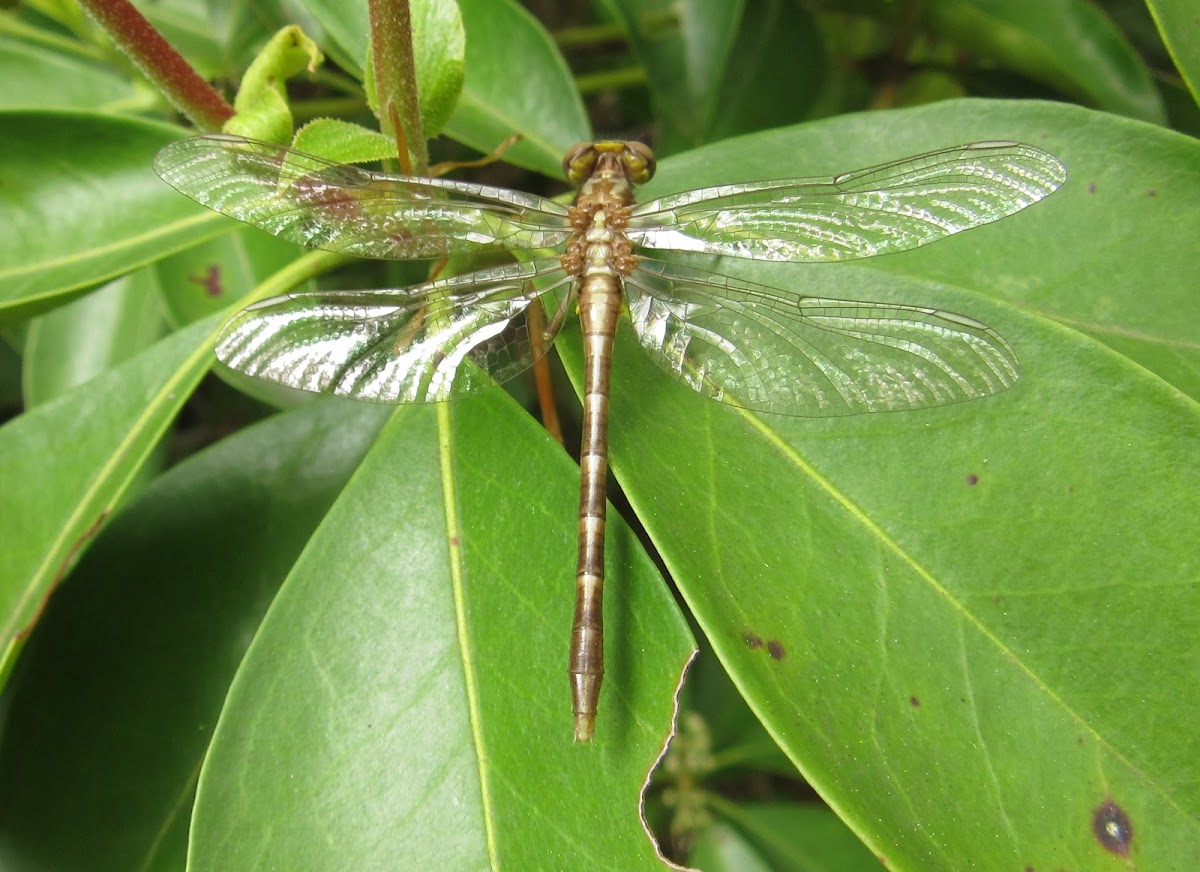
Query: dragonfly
[736, 341]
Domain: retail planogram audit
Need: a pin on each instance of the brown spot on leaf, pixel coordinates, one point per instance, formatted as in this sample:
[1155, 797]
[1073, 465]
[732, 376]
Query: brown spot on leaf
[1091, 187]
[1112, 828]
[776, 650]
[1152, 193]
[751, 640]
[210, 281]
[972, 479]
[914, 702]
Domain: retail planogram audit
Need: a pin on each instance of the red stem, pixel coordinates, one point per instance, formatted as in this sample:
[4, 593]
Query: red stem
[396, 76]
[160, 62]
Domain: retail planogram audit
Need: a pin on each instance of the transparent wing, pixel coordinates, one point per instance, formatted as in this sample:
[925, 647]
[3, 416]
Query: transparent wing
[423, 344]
[341, 208]
[888, 208]
[746, 344]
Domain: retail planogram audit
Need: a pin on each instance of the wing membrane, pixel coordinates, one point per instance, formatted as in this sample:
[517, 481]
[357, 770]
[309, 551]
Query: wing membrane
[746, 344]
[313, 202]
[424, 344]
[892, 207]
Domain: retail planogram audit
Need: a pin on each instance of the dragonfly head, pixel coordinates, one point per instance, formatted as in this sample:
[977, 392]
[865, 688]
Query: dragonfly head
[633, 160]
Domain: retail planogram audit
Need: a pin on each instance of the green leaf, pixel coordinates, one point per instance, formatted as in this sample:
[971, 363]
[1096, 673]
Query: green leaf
[440, 47]
[346, 24]
[262, 102]
[118, 693]
[778, 69]
[1176, 22]
[53, 513]
[716, 69]
[91, 335]
[1069, 44]
[35, 76]
[416, 655]
[942, 585]
[687, 50]
[344, 142]
[795, 837]
[76, 217]
[720, 848]
[517, 82]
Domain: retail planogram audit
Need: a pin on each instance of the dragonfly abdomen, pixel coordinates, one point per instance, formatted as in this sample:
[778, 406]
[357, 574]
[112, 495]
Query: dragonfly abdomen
[603, 253]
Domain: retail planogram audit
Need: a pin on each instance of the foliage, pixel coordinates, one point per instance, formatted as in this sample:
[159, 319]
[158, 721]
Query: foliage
[335, 638]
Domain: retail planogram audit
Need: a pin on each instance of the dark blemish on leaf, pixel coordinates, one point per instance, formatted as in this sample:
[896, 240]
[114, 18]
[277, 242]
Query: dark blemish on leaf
[1091, 187]
[1152, 193]
[453, 541]
[775, 649]
[972, 479]
[751, 640]
[914, 702]
[1112, 828]
[210, 281]
[1030, 869]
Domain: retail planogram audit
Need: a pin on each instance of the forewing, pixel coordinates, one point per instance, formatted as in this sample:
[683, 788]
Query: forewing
[748, 345]
[888, 208]
[337, 207]
[440, 340]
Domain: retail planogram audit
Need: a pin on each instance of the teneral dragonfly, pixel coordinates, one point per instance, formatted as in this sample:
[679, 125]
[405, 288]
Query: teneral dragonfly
[732, 340]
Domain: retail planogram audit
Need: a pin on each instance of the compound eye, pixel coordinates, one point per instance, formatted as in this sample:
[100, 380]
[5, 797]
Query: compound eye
[639, 160]
[578, 162]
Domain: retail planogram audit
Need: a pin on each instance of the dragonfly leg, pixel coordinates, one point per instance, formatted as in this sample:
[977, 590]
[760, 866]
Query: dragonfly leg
[561, 315]
[440, 169]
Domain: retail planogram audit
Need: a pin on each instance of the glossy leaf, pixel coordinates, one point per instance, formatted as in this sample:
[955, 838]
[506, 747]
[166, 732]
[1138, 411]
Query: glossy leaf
[1176, 20]
[1070, 44]
[82, 205]
[37, 76]
[906, 598]
[717, 69]
[795, 837]
[63, 480]
[720, 848]
[417, 655]
[119, 690]
[777, 70]
[541, 103]
[91, 335]
[54, 511]
[687, 48]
